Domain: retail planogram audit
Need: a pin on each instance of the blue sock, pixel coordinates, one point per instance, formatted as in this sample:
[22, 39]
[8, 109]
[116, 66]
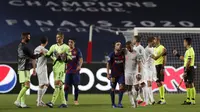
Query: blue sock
[120, 96]
[112, 94]
[66, 93]
[75, 93]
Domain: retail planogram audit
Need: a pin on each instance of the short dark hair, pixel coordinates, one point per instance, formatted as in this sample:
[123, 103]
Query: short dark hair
[25, 34]
[150, 39]
[188, 40]
[138, 38]
[115, 43]
[128, 43]
[43, 40]
[73, 39]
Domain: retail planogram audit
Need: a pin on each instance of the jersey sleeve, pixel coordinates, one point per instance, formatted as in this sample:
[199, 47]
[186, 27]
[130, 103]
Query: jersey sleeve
[37, 50]
[190, 54]
[80, 55]
[28, 52]
[110, 56]
[69, 54]
[50, 52]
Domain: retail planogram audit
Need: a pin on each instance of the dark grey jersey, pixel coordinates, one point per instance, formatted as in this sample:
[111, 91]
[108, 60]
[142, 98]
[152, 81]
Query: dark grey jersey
[24, 57]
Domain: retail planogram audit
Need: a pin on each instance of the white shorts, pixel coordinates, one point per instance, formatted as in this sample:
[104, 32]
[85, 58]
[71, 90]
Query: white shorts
[150, 74]
[42, 77]
[130, 79]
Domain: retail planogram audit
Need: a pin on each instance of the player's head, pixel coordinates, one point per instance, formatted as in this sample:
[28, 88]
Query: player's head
[136, 39]
[129, 46]
[60, 37]
[25, 37]
[117, 45]
[71, 42]
[157, 40]
[150, 41]
[187, 41]
[44, 41]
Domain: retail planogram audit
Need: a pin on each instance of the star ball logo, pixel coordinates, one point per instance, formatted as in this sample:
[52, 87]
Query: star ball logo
[8, 78]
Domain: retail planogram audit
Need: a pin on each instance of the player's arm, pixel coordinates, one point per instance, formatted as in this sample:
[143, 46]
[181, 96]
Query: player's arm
[108, 65]
[163, 53]
[69, 54]
[175, 53]
[189, 60]
[138, 59]
[80, 59]
[50, 52]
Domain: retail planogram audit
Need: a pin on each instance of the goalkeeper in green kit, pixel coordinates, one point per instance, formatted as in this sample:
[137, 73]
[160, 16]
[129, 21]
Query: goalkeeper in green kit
[60, 53]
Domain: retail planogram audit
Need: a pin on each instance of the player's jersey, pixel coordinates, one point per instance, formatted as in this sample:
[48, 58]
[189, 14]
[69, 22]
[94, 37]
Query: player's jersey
[116, 62]
[41, 61]
[24, 56]
[58, 49]
[157, 51]
[141, 52]
[189, 54]
[149, 62]
[131, 60]
[72, 65]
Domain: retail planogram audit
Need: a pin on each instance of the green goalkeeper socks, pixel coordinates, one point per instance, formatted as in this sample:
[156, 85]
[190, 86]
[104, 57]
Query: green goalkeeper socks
[23, 98]
[55, 94]
[22, 93]
[62, 95]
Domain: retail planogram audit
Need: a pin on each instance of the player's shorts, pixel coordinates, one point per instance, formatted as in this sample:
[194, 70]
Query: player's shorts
[24, 76]
[42, 77]
[72, 79]
[59, 76]
[160, 75]
[129, 78]
[190, 75]
[150, 74]
[115, 80]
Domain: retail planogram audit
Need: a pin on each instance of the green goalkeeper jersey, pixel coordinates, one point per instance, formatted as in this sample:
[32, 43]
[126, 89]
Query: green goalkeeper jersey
[54, 51]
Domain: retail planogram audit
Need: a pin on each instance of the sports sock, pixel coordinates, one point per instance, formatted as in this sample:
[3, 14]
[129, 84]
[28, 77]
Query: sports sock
[62, 95]
[151, 94]
[121, 92]
[22, 93]
[145, 92]
[39, 93]
[188, 95]
[131, 97]
[162, 93]
[112, 95]
[44, 91]
[23, 98]
[66, 92]
[55, 94]
[76, 93]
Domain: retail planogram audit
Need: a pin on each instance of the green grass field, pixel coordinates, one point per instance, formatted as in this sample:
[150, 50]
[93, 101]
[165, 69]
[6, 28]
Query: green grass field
[99, 103]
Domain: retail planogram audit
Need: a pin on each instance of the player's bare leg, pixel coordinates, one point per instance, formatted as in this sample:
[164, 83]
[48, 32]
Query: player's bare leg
[150, 92]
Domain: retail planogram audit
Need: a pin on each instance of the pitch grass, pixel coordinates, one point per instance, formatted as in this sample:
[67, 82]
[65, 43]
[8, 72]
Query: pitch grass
[99, 103]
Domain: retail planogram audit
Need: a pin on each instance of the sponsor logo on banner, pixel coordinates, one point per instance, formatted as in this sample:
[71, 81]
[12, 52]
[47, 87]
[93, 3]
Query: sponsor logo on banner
[173, 77]
[8, 78]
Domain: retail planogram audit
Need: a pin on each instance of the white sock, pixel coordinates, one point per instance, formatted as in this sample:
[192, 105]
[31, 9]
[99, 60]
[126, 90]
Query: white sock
[39, 93]
[131, 97]
[151, 94]
[43, 91]
[139, 96]
[145, 93]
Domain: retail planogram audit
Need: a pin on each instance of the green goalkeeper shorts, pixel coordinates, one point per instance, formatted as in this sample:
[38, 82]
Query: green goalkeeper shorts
[24, 76]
